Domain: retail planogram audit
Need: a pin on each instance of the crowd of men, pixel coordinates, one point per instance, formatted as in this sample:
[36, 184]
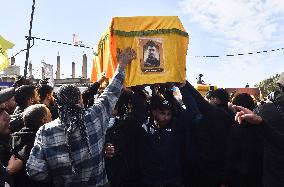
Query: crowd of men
[128, 137]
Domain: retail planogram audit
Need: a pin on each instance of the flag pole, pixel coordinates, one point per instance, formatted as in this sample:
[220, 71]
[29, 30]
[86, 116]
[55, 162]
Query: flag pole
[29, 41]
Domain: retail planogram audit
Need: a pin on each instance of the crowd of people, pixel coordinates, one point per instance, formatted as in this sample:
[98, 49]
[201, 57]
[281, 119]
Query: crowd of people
[133, 137]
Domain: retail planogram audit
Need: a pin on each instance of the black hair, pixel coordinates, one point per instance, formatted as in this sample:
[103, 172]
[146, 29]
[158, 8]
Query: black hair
[151, 43]
[244, 100]
[160, 102]
[20, 81]
[43, 90]
[23, 94]
[221, 94]
[33, 115]
[122, 105]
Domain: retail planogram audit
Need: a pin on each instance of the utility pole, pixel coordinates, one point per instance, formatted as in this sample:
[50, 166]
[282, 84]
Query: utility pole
[29, 41]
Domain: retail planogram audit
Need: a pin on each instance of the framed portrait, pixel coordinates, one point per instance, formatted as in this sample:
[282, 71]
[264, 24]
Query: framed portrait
[151, 55]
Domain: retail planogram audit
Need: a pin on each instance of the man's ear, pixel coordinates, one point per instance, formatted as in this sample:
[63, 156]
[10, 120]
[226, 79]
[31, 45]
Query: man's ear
[31, 100]
[43, 120]
[48, 96]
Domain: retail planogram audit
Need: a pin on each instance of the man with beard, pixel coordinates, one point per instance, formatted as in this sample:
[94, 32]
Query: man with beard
[153, 50]
[25, 96]
[47, 97]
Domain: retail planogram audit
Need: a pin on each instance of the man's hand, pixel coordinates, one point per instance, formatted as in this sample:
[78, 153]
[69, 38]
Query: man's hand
[109, 150]
[14, 165]
[102, 78]
[125, 57]
[247, 115]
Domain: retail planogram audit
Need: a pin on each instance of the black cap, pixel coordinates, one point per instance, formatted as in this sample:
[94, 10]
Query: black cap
[6, 94]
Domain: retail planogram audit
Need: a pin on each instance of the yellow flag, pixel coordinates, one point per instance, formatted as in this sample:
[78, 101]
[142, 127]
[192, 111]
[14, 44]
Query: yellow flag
[4, 45]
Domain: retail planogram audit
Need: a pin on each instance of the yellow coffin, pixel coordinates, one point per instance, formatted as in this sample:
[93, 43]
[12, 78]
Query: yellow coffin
[161, 45]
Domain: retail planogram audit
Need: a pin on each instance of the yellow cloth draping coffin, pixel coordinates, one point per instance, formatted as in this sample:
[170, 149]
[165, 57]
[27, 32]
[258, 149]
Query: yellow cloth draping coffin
[159, 41]
[4, 45]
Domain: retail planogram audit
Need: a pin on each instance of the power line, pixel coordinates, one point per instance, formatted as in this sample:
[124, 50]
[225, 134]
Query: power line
[235, 55]
[60, 42]
[23, 50]
[192, 56]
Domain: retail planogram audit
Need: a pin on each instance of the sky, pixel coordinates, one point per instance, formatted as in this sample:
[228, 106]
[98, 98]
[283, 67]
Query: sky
[215, 28]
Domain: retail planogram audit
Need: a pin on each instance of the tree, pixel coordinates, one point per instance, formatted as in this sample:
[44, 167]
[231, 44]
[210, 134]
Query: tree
[268, 85]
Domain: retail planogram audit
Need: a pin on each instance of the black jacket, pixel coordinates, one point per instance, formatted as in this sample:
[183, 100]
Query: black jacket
[4, 176]
[123, 169]
[161, 154]
[16, 122]
[22, 143]
[273, 134]
[206, 165]
[5, 154]
[5, 149]
[244, 157]
[162, 149]
[18, 110]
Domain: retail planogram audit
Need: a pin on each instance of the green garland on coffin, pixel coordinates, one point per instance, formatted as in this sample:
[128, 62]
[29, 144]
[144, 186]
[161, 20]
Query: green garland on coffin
[101, 45]
[150, 32]
[141, 33]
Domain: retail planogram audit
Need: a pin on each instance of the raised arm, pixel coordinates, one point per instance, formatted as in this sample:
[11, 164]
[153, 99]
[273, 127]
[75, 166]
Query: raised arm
[88, 94]
[202, 105]
[189, 101]
[271, 135]
[105, 103]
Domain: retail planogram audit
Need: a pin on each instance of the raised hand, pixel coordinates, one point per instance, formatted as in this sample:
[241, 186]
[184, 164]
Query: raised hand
[126, 56]
[247, 115]
[102, 78]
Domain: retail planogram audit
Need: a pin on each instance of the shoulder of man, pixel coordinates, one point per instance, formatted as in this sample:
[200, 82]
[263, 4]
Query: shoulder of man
[268, 111]
[51, 125]
[16, 122]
